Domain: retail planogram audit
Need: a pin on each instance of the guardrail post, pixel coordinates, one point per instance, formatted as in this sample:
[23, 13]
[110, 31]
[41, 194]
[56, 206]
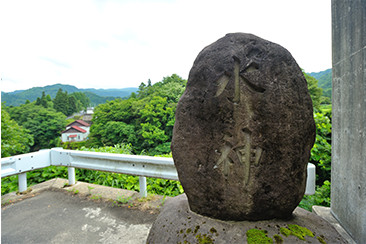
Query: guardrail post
[142, 182]
[71, 173]
[22, 182]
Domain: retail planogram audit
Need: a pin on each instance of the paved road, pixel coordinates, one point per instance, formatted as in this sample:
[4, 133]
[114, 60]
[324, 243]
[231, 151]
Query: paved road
[58, 216]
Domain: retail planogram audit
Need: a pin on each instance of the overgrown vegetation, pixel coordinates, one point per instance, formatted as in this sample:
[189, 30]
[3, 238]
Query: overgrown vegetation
[321, 151]
[70, 103]
[42, 121]
[145, 120]
[14, 138]
[320, 198]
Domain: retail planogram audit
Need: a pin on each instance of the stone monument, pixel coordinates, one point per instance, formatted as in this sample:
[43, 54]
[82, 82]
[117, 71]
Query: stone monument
[244, 130]
[241, 143]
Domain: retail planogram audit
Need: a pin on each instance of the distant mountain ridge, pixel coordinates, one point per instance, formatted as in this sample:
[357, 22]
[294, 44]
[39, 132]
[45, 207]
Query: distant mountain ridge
[324, 78]
[324, 81]
[96, 96]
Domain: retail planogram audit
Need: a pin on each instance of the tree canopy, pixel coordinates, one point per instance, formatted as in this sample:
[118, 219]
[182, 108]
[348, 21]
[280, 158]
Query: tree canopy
[14, 138]
[44, 124]
[315, 91]
[145, 120]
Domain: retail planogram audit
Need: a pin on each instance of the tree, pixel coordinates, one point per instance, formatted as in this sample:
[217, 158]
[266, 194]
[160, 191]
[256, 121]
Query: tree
[38, 101]
[44, 101]
[83, 102]
[145, 119]
[72, 105]
[14, 138]
[314, 90]
[117, 132]
[44, 124]
[321, 151]
[60, 102]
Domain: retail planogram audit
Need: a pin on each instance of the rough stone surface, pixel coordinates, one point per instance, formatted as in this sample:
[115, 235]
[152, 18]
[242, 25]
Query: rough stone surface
[178, 224]
[243, 132]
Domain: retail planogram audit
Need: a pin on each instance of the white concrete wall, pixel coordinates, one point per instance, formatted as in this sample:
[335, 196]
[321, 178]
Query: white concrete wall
[79, 137]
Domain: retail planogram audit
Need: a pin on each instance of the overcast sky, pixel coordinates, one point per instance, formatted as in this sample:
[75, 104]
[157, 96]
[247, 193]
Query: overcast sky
[118, 44]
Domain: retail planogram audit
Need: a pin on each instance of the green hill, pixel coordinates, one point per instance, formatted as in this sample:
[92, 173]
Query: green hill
[95, 99]
[324, 81]
[96, 96]
[125, 92]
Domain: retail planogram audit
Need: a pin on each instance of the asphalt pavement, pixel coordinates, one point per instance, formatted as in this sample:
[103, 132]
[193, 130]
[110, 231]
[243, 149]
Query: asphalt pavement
[53, 212]
[83, 213]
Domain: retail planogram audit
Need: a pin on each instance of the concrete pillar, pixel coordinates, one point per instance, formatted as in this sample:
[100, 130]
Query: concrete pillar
[348, 193]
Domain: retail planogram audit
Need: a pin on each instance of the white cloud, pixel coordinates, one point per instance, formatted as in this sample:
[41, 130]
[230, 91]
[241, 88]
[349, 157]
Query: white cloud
[115, 44]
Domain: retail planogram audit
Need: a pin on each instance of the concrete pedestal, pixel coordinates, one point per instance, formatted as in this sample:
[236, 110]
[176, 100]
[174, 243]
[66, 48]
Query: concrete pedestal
[178, 224]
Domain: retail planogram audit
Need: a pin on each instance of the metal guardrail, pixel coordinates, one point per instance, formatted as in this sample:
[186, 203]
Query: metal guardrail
[142, 166]
[147, 166]
[25, 162]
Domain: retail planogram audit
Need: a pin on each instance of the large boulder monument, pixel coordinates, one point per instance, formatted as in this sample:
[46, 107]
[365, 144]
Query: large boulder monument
[241, 143]
[244, 130]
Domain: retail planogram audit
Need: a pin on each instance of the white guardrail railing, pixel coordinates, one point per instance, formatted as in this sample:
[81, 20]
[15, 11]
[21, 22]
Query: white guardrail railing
[142, 166]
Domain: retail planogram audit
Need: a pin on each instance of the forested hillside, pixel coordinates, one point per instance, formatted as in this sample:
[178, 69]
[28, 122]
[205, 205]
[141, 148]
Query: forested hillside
[145, 120]
[96, 96]
[324, 81]
[124, 92]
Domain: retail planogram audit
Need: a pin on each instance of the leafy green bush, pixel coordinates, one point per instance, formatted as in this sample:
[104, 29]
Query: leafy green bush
[129, 182]
[73, 145]
[321, 197]
[321, 151]
[119, 148]
[10, 184]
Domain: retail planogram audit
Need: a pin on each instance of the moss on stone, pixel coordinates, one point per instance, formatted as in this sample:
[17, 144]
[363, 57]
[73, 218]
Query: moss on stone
[196, 229]
[284, 231]
[278, 239]
[213, 230]
[321, 240]
[300, 231]
[204, 239]
[296, 230]
[255, 236]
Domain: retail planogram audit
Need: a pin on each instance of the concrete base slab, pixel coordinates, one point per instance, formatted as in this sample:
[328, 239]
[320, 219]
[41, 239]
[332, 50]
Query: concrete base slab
[55, 216]
[326, 214]
[178, 224]
[94, 192]
[54, 212]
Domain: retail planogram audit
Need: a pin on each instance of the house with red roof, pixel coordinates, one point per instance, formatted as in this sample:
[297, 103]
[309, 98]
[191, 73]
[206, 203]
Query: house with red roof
[76, 131]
